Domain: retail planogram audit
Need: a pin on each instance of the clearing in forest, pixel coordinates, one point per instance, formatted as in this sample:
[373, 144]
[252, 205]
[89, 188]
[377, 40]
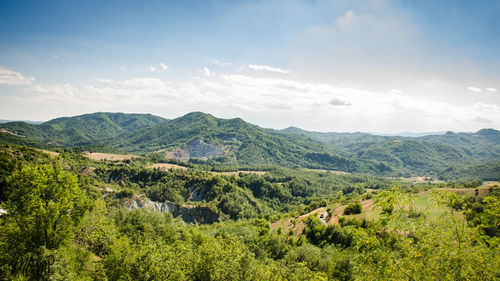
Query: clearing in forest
[52, 154]
[166, 166]
[109, 156]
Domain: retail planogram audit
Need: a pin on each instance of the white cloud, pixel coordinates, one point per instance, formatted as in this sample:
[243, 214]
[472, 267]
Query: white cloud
[270, 102]
[163, 66]
[268, 68]
[347, 19]
[335, 101]
[12, 78]
[149, 69]
[144, 83]
[55, 94]
[207, 72]
[106, 81]
[220, 63]
[481, 120]
[491, 90]
[396, 91]
[487, 107]
[474, 89]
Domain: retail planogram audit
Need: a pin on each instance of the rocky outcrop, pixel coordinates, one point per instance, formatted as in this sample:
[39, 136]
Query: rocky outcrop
[188, 213]
[196, 148]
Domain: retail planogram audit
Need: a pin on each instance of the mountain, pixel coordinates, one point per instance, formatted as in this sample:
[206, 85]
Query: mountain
[234, 142]
[484, 145]
[337, 140]
[231, 143]
[25, 121]
[83, 129]
[424, 158]
[416, 135]
[429, 154]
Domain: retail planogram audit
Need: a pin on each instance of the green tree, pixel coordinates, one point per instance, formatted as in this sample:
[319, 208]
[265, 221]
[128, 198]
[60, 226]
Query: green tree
[408, 247]
[44, 205]
[353, 208]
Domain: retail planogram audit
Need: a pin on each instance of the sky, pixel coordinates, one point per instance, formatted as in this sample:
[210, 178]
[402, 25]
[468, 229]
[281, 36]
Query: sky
[383, 66]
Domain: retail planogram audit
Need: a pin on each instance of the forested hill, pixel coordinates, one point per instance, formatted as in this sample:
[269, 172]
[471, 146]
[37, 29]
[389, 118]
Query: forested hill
[231, 143]
[483, 145]
[83, 129]
[234, 142]
[424, 154]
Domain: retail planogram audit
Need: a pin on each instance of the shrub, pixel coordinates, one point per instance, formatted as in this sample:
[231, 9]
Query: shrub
[353, 208]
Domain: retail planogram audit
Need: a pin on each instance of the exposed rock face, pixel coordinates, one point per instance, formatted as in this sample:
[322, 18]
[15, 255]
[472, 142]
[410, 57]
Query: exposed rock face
[196, 149]
[188, 213]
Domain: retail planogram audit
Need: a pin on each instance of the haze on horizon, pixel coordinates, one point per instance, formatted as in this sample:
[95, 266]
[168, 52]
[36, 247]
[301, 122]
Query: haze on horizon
[381, 66]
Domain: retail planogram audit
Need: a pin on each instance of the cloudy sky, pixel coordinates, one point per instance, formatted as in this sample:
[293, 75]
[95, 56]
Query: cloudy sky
[326, 65]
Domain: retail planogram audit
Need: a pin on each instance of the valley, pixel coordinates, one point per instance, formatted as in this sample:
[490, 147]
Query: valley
[230, 144]
[142, 197]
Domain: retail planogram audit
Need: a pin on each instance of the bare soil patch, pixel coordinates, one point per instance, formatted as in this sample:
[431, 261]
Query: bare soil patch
[52, 154]
[259, 173]
[5, 131]
[108, 156]
[483, 190]
[421, 180]
[298, 224]
[87, 171]
[166, 166]
[328, 171]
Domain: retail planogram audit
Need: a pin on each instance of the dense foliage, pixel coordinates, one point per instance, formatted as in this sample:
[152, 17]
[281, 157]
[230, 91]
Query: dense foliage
[238, 144]
[63, 222]
[84, 129]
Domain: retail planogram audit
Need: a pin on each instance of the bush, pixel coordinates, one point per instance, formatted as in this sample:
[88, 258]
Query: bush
[353, 208]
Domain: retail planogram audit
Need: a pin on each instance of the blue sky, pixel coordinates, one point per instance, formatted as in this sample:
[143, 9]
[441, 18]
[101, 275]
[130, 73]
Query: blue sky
[338, 65]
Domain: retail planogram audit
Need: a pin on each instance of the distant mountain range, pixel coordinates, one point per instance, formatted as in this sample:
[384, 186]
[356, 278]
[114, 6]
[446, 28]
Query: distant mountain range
[409, 134]
[26, 121]
[203, 138]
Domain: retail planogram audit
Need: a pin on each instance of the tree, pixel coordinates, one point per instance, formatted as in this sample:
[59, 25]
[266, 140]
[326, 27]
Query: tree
[403, 246]
[44, 204]
[353, 208]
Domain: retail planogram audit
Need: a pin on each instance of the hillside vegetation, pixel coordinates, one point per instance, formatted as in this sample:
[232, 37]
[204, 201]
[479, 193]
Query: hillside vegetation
[84, 129]
[231, 144]
[68, 217]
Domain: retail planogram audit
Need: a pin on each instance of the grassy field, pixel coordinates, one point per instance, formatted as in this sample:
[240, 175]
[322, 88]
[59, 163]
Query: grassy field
[52, 154]
[259, 173]
[109, 156]
[327, 171]
[167, 166]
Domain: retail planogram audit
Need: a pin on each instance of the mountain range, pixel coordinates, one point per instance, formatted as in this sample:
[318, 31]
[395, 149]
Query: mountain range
[202, 138]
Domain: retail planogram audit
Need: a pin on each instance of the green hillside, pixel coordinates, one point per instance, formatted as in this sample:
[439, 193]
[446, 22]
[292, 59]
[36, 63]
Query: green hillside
[83, 129]
[408, 155]
[429, 155]
[488, 171]
[67, 217]
[244, 144]
[231, 143]
[7, 138]
[484, 145]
